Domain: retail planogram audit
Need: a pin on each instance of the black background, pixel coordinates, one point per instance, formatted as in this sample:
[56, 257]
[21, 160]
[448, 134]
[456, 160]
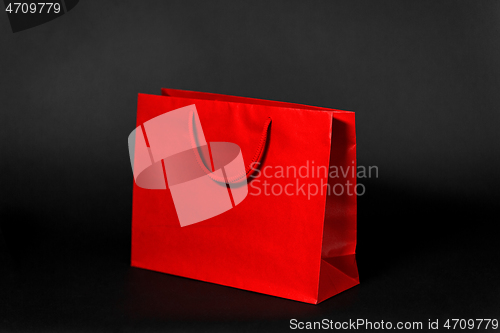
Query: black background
[423, 78]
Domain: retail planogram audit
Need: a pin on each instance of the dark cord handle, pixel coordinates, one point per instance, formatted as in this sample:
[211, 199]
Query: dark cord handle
[259, 153]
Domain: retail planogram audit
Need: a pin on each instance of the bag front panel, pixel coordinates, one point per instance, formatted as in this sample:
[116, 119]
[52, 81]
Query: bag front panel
[270, 242]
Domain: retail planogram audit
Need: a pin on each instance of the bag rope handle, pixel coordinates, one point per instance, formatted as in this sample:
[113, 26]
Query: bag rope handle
[259, 153]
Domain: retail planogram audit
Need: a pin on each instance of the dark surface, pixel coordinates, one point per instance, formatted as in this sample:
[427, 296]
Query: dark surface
[408, 273]
[422, 77]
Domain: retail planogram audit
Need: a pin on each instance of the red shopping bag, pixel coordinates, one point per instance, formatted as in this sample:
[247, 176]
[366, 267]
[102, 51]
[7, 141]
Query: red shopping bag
[248, 193]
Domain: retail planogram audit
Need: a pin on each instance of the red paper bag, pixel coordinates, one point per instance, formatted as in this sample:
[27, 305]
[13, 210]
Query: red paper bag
[247, 193]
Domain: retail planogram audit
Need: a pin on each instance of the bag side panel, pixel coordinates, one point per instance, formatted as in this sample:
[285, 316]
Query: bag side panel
[338, 263]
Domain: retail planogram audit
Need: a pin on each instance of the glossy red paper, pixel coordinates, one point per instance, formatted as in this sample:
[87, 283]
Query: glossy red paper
[300, 247]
